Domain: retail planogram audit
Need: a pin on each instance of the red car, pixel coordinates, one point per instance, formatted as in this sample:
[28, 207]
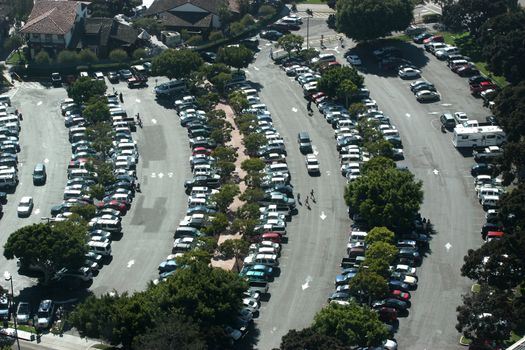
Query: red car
[121, 207]
[387, 314]
[475, 89]
[201, 150]
[271, 236]
[396, 293]
[434, 39]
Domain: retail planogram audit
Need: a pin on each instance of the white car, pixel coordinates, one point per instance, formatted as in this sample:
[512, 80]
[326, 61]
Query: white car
[354, 60]
[409, 73]
[460, 117]
[312, 164]
[25, 207]
[251, 304]
[99, 75]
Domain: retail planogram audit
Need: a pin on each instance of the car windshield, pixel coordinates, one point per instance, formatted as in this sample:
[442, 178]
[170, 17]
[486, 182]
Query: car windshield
[43, 314]
[23, 308]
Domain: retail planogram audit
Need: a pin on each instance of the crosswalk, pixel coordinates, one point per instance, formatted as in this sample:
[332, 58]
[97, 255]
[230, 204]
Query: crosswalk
[316, 14]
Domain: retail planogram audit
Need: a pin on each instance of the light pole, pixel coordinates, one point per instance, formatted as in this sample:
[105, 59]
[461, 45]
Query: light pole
[9, 277]
[309, 14]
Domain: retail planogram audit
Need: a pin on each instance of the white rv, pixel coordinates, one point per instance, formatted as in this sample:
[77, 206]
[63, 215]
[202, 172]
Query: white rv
[481, 136]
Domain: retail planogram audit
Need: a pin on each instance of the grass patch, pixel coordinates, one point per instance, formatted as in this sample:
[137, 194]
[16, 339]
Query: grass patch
[23, 327]
[464, 341]
[499, 80]
[16, 58]
[514, 337]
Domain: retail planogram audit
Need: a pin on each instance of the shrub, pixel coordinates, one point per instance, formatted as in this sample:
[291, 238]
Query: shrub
[87, 56]
[42, 57]
[139, 53]
[194, 40]
[431, 18]
[236, 28]
[247, 20]
[266, 11]
[118, 55]
[67, 56]
[216, 35]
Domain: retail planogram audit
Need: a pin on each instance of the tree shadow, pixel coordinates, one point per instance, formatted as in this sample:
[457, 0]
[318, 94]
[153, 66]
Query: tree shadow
[250, 340]
[411, 54]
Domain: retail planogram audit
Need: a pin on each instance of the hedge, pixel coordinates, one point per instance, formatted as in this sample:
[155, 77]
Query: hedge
[432, 18]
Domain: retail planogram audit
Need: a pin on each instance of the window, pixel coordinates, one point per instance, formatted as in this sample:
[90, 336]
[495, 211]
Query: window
[49, 38]
[36, 36]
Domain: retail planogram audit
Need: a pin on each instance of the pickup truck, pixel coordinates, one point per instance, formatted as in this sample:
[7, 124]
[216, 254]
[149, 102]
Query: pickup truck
[487, 154]
[476, 89]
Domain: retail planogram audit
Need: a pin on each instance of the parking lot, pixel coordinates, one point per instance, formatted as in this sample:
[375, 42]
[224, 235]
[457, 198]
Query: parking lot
[449, 198]
[148, 227]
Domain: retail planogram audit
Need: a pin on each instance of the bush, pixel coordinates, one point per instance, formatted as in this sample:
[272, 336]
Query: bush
[194, 40]
[432, 18]
[247, 20]
[87, 56]
[118, 55]
[236, 28]
[266, 11]
[216, 35]
[67, 57]
[42, 57]
[139, 53]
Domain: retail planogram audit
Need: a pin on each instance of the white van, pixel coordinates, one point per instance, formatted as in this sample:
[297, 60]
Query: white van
[5, 99]
[490, 202]
[196, 202]
[324, 57]
[70, 194]
[102, 248]
[263, 259]
[11, 118]
[278, 167]
[110, 225]
[357, 236]
[488, 191]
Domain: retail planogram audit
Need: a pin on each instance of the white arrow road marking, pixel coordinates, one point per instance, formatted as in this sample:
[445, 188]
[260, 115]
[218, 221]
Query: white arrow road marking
[435, 171]
[37, 211]
[273, 329]
[433, 112]
[131, 263]
[154, 121]
[39, 103]
[294, 109]
[448, 246]
[316, 152]
[46, 160]
[255, 68]
[137, 100]
[170, 174]
[306, 283]
[323, 215]
[153, 175]
[407, 115]
[328, 172]
[161, 175]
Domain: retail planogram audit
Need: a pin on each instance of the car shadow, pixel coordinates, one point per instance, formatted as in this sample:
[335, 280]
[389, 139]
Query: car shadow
[250, 340]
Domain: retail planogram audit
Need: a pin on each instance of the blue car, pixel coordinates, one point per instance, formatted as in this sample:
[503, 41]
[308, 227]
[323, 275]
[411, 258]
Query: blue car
[393, 285]
[259, 267]
[167, 266]
[344, 278]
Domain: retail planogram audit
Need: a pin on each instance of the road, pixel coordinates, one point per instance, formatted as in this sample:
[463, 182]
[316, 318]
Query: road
[449, 199]
[311, 258]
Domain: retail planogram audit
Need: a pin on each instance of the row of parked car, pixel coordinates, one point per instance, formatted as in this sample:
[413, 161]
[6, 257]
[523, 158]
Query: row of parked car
[9, 147]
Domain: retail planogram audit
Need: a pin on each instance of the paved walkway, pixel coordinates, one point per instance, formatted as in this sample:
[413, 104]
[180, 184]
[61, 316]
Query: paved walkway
[51, 341]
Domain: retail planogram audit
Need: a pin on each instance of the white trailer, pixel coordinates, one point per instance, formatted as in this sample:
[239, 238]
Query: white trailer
[480, 136]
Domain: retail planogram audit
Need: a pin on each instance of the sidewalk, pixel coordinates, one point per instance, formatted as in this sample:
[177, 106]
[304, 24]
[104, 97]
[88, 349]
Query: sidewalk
[51, 341]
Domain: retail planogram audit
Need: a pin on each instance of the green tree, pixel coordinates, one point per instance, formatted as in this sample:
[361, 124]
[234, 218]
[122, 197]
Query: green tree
[87, 56]
[224, 198]
[512, 210]
[378, 164]
[176, 63]
[238, 101]
[86, 212]
[220, 81]
[345, 90]
[209, 296]
[389, 198]
[226, 169]
[100, 136]
[309, 338]
[236, 28]
[42, 57]
[253, 142]
[217, 224]
[364, 20]
[104, 171]
[308, 54]
[139, 54]
[215, 36]
[244, 226]
[332, 81]
[170, 331]
[248, 211]
[20, 9]
[509, 110]
[380, 234]
[352, 324]
[96, 111]
[49, 247]
[150, 25]
[267, 11]
[85, 88]
[225, 153]
[382, 250]
[252, 195]
[118, 55]
[67, 57]
[13, 42]
[253, 165]
[234, 248]
[290, 42]
[485, 316]
[369, 285]
[97, 191]
[235, 56]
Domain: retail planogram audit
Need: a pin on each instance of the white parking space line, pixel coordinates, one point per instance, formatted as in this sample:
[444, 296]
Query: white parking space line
[39, 103]
[407, 115]
[154, 175]
[46, 160]
[255, 68]
[137, 100]
[37, 211]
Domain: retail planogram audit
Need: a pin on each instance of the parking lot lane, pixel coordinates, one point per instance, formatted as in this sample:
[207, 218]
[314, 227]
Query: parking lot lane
[43, 139]
[312, 256]
[449, 201]
[154, 215]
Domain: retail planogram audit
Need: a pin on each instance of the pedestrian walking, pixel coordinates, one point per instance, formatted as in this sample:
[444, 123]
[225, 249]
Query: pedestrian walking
[121, 98]
[312, 193]
[306, 201]
[309, 106]
[299, 197]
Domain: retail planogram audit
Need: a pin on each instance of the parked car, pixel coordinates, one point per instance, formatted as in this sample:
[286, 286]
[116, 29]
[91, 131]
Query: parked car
[427, 96]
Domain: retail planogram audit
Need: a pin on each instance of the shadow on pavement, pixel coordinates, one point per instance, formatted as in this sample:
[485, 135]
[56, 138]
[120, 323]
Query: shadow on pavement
[250, 340]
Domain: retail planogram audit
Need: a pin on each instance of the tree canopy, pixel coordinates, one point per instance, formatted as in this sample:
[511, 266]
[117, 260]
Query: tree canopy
[388, 197]
[363, 20]
[370, 285]
[85, 88]
[290, 42]
[96, 111]
[235, 56]
[48, 247]
[309, 338]
[380, 234]
[176, 64]
[351, 324]
[335, 81]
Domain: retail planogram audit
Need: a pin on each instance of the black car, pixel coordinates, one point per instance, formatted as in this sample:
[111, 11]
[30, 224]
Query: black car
[209, 56]
[200, 209]
[202, 181]
[410, 253]
[482, 169]
[492, 120]
[277, 148]
[487, 227]
[113, 77]
[392, 302]
[418, 39]
[271, 34]
[467, 71]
